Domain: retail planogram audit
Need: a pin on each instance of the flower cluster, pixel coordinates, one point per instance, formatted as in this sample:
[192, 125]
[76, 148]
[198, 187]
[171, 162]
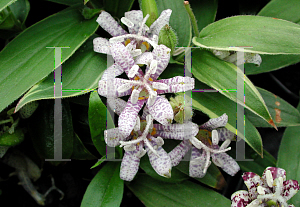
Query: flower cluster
[272, 189]
[139, 55]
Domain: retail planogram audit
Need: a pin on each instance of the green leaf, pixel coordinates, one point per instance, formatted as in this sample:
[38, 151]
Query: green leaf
[152, 193]
[80, 75]
[20, 9]
[271, 63]
[41, 129]
[222, 75]
[97, 122]
[176, 175]
[204, 11]
[117, 7]
[106, 188]
[67, 2]
[283, 113]
[99, 162]
[289, 156]
[5, 3]
[26, 60]
[7, 139]
[182, 25]
[288, 10]
[80, 152]
[264, 35]
[214, 105]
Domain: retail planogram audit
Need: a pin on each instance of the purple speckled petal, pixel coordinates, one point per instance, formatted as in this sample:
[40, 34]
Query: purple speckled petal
[161, 110]
[291, 205]
[112, 72]
[252, 180]
[162, 164]
[144, 59]
[127, 119]
[290, 188]
[162, 20]
[227, 163]
[109, 24]
[122, 56]
[179, 152]
[136, 17]
[177, 131]
[101, 45]
[225, 134]
[102, 88]
[162, 54]
[240, 199]
[215, 123]
[276, 173]
[177, 84]
[197, 166]
[118, 105]
[111, 137]
[129, 166]
[145, 112]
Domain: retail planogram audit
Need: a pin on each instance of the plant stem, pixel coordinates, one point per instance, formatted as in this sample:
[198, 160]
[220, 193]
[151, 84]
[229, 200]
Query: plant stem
[192, 17]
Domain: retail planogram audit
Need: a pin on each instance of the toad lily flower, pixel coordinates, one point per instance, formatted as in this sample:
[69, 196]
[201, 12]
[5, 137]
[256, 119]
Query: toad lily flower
[272, 189]
[143, 88]
[203, 148]
[140, 138]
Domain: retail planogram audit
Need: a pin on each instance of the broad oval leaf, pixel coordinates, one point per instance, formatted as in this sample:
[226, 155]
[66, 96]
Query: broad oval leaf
[80, 152]
[106, 188]
[289, 156]
[26, 60]
[67, 2]
[283, 113]
[97, 122]
[222, 76]
[182, 25]
[80, 75]
[256, 34]
[153, 194]
[117, 7]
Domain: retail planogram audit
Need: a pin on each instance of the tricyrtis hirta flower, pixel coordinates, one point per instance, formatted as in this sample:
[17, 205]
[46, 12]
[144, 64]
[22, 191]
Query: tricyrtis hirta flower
[140, 141]
[272, 189]
[205, 145]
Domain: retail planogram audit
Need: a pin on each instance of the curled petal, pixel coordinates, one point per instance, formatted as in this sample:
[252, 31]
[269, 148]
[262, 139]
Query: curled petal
[144, 59]
[161, 111]
[122, 57]
[161, 163]
[179, 152]
[227, 163]
[101, 45]
[127, 119]
[129, 166]
[112, 72]
[162, 20]
[109, 24]
[111, 137]
[161, 53]
[215, 123]
[290, 188]
[276, 173]
[117, 105]
[240, 199]
[177, 84]
[225, 134]
[135, 16]
[103, 88]
[252, 180]
[197, 163]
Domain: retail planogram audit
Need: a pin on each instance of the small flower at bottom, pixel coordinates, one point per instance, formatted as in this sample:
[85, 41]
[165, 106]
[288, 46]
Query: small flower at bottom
[272, 189]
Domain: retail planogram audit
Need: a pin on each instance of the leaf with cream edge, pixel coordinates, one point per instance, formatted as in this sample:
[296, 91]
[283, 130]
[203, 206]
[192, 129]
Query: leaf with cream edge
[265, 35]
[67, 27]
[82, 71]
[222, 75]
[214, 105]
[5, 3]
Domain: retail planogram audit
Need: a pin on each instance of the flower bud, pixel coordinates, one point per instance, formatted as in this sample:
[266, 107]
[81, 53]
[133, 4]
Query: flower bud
[182, 110]
[168, 37]
[27, 110]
